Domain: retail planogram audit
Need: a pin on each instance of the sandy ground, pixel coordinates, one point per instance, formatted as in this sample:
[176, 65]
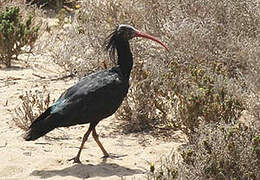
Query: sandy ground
[46, 158]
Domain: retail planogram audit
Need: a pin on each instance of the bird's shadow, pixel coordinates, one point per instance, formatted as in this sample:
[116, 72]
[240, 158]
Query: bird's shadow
[89, 170]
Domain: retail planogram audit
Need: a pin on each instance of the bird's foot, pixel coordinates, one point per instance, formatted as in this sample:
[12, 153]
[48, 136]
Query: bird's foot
[75, 160]
[106, 156]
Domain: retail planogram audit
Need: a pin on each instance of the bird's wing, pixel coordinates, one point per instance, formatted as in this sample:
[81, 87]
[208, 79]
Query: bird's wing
[88, 91]
[83, 81]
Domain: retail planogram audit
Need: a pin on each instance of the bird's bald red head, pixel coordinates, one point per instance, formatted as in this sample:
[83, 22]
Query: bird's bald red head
[131, 32]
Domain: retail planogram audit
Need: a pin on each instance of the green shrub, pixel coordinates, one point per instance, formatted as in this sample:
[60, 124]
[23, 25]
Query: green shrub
[15, 35]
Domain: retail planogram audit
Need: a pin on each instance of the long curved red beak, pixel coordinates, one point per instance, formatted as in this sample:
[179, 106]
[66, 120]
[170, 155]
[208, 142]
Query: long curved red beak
[144, 35]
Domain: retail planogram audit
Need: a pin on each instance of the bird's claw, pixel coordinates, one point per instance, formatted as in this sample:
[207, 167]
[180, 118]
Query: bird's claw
[113, 156]
[105, 156]
[75, 160]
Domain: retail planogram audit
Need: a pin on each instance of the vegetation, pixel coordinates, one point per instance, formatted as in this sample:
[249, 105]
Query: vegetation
[33, 104]
[220, 151]
[15, 35]
[56, 4]
[172, 90]
[205, 86]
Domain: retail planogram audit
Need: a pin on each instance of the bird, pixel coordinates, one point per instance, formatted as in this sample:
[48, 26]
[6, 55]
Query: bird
[95, 96]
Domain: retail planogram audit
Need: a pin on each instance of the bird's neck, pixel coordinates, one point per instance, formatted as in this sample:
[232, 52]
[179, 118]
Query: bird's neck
[125, 58]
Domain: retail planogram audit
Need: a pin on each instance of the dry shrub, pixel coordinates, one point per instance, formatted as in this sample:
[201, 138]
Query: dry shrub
[57, 4]
[213, 77]
[223, 152]
[205, 94]
[84, 34]
[212, 69]
[216, 151]
[33, 104]
[83, 53]
[144, 106]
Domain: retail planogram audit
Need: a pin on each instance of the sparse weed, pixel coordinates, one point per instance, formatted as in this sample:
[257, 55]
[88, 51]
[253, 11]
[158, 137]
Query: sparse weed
[33, 104]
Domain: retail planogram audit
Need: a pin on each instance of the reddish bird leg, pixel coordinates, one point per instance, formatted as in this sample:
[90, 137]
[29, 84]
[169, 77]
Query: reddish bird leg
[85, 138]
[95, 136]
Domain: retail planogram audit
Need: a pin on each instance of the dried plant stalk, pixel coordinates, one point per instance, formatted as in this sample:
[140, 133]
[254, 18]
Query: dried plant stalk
[33, 104]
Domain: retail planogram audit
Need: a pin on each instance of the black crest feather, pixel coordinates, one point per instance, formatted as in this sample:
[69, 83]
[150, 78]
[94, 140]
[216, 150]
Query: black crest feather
[110, 45]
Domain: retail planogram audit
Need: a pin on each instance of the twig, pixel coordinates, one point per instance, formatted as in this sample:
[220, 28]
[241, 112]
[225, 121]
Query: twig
[42, 77]
[67, 8]
[2, 146]
[63, 77]
[10, 78]
[54, 79]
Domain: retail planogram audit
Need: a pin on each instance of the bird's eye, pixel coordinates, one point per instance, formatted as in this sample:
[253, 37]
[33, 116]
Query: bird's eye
[129, 34]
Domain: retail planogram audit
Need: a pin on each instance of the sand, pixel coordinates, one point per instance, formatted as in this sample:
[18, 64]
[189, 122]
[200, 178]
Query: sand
[47, 157]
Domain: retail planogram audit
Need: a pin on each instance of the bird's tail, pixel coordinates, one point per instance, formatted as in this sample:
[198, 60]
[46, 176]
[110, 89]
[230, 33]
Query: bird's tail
[42, 125]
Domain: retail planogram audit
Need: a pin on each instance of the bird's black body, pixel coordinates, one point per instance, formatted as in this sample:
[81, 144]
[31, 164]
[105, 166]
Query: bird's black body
[99, 92]
[83, 103]
[92, 99]
[95, 96]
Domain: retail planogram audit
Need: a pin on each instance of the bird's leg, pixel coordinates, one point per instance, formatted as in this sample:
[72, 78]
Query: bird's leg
[95, 136]
[85, 138]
